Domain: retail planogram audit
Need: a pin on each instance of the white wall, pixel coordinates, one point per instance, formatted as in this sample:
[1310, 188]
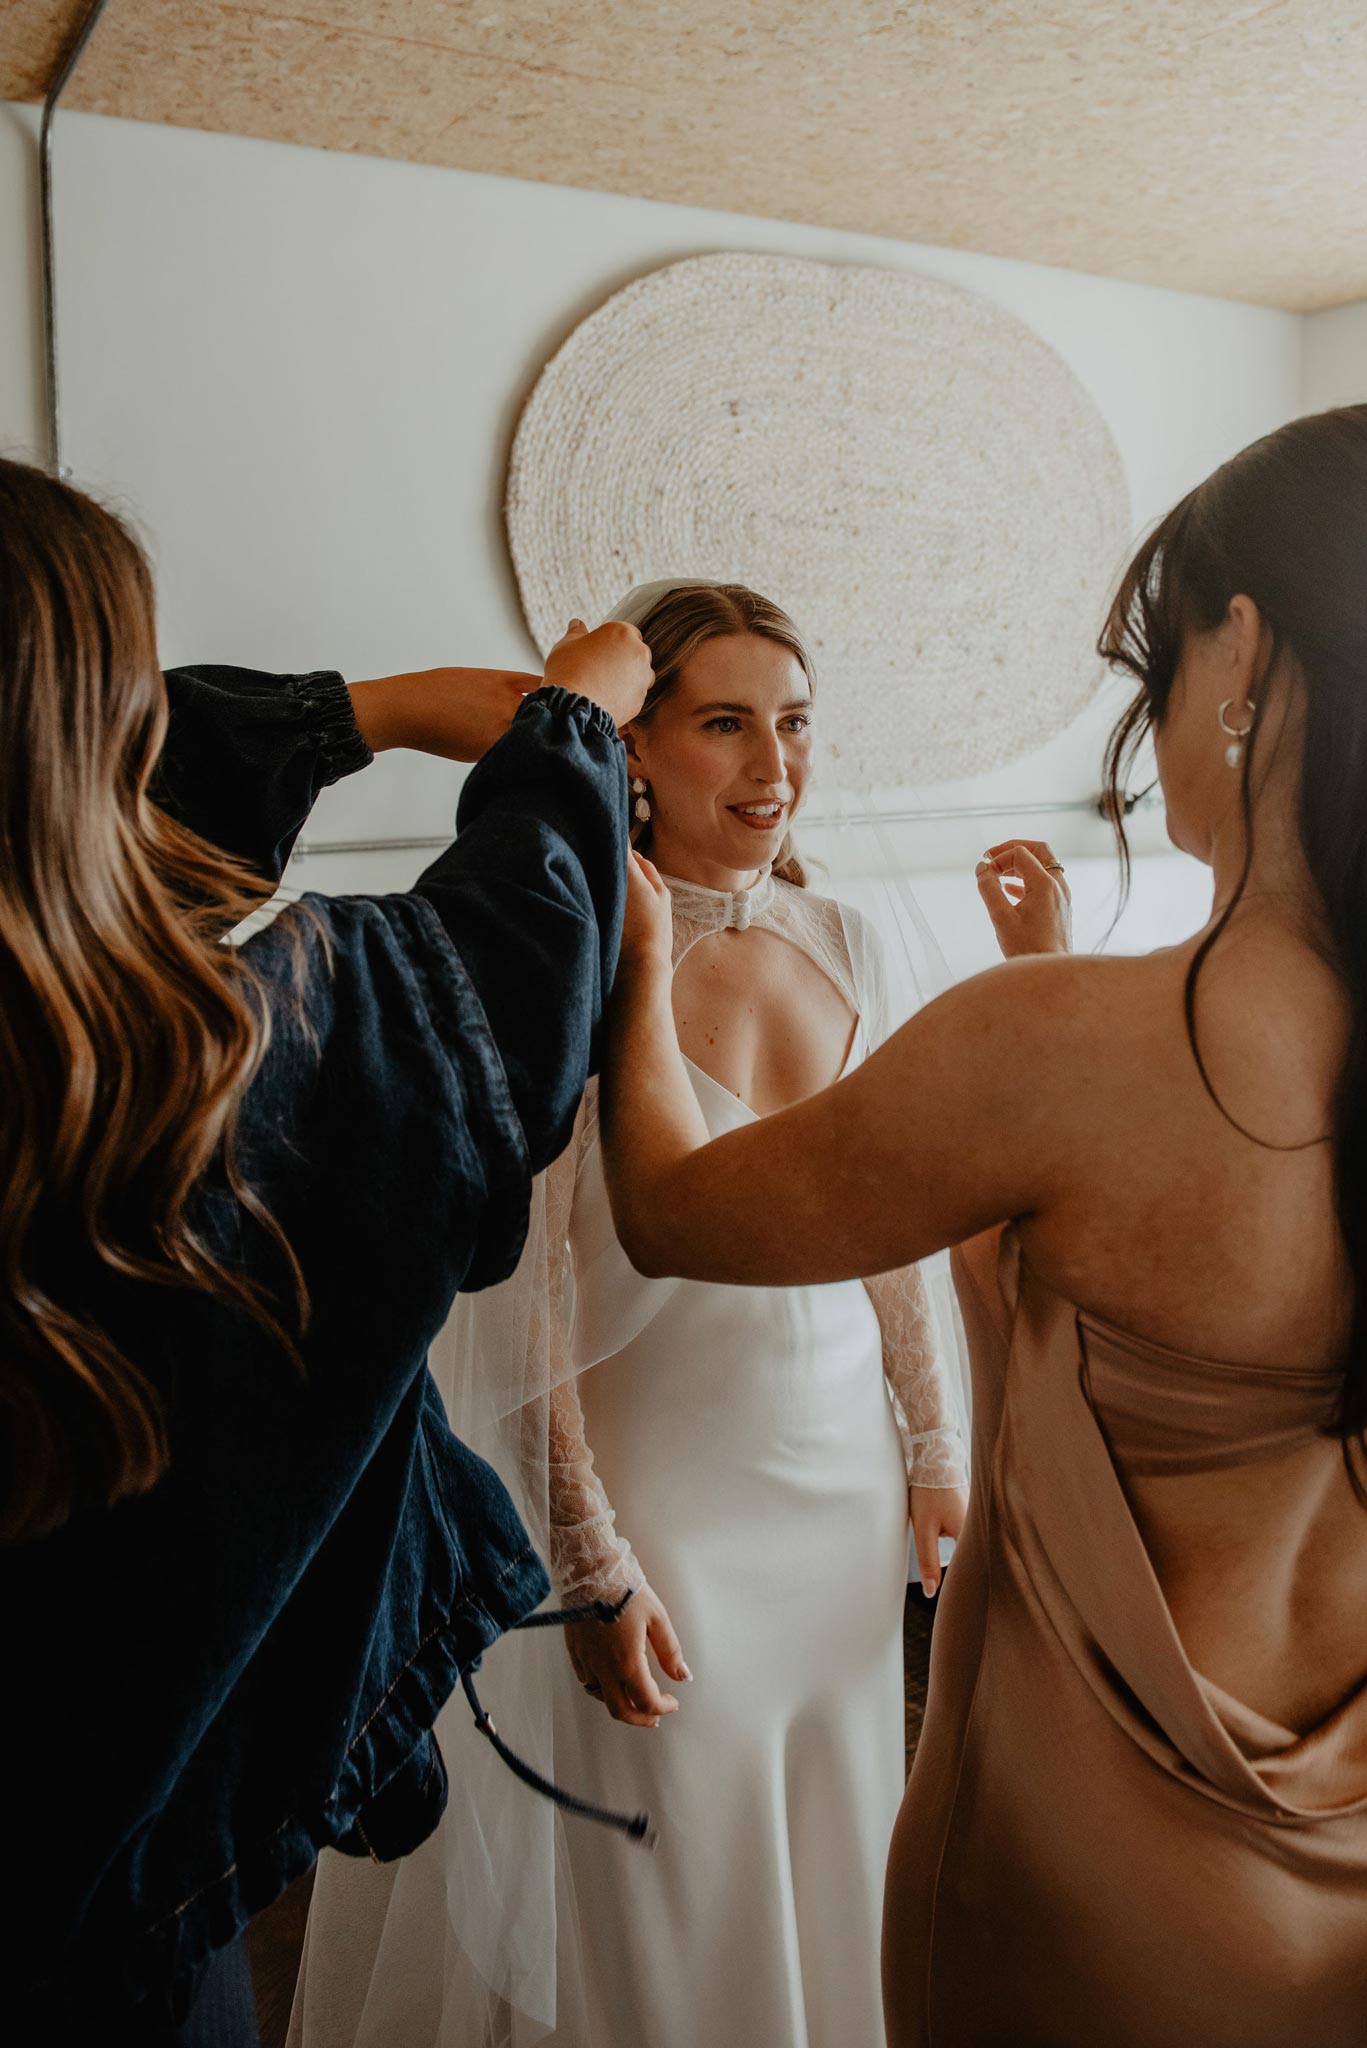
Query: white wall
[1335, 367]
[21, 334]
[300, 372]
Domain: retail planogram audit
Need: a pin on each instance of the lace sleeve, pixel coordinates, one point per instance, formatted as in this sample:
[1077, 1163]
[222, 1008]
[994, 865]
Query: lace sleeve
[917, 1380]
[913, 1364]
[588, 1559]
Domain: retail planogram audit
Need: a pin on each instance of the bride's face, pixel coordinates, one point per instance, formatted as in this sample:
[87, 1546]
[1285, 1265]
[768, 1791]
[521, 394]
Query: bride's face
[727, 755]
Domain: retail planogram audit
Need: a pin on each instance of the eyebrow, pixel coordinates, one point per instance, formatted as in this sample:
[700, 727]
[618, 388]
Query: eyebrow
[705, 710]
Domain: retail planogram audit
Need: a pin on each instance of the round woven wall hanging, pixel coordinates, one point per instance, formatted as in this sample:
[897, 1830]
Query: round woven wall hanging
[911, 472]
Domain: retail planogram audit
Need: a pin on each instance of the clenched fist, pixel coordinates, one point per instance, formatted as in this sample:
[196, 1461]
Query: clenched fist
[610, 666]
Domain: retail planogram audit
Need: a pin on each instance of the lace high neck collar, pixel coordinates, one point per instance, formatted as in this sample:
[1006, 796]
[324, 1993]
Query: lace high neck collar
[722, 909]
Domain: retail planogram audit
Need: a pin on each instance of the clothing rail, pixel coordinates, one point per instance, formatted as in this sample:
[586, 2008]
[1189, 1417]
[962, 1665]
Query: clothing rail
[1095, 806]
[65, 73]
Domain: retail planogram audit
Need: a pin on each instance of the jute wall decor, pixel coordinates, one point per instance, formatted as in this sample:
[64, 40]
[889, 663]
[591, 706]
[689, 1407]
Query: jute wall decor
[909, 470]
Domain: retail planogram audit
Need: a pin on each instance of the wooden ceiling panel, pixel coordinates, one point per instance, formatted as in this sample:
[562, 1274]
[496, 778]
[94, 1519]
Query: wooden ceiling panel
[1201, 144]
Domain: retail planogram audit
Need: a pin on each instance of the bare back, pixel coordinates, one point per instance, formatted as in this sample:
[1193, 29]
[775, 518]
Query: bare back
[1173, 1224]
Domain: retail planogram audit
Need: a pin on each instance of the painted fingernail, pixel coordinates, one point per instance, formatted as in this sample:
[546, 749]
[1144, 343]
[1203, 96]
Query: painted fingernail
[688, 1675]
[928, 1588]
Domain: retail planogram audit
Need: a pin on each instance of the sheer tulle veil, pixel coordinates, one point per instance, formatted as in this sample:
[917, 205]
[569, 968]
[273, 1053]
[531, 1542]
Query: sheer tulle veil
[457, 1946]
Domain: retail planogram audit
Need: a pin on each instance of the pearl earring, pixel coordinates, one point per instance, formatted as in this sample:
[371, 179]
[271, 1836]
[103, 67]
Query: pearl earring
[1234, 752]
[639, 787]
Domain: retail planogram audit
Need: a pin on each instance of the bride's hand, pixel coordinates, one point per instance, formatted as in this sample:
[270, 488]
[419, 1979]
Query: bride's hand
[936, 1511]
[610, 1662]
[648, 930]
[1029, 902]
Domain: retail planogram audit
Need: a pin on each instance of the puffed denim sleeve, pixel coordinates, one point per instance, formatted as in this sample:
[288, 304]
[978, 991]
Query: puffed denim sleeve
[532, 893]
[246, 755]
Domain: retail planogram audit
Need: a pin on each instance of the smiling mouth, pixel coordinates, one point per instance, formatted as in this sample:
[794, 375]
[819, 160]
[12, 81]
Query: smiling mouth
[759, 817]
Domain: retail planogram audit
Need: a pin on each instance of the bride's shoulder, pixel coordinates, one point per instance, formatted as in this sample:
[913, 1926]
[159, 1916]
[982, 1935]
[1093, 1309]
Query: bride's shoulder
[828, 912]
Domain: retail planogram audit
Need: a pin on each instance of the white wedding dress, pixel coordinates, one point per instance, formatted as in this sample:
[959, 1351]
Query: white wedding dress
[746, 1451]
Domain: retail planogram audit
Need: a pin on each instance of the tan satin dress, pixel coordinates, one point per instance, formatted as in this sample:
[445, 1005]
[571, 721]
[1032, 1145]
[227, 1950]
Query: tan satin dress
[1099, 1848]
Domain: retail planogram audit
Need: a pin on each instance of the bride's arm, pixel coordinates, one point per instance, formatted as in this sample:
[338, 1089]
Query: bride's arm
[934, 1138]
[918, 1380]
[589, 1560]
[918, 1383]
[913, 1362]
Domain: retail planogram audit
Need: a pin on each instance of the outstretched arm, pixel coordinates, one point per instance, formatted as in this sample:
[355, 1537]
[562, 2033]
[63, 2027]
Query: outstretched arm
[247, 754]
[531, 895]
[932, 1139]
[532, 891]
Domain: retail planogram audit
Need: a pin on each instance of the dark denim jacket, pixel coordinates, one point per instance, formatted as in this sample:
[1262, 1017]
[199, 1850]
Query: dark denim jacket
[207, 1685]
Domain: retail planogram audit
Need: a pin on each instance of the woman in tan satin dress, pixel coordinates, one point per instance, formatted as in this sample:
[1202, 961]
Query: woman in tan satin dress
[1138, 1815]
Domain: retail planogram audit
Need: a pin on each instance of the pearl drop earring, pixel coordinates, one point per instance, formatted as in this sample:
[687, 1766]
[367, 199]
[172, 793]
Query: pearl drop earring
[1234, 752]
[639, 787]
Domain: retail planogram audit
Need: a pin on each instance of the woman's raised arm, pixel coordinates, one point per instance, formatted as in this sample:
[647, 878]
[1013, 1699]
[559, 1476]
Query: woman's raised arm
[960, 1121]
[247, 754]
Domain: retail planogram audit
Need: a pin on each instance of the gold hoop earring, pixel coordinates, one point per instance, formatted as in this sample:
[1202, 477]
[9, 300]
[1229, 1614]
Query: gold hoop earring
[642, 806]
[1234, 752]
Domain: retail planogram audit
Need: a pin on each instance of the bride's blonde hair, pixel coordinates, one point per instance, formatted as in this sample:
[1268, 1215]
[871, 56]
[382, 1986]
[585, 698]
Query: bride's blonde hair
[684, 620]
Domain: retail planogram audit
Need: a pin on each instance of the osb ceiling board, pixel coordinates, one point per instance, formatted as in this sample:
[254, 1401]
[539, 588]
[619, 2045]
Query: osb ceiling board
[1200, 144]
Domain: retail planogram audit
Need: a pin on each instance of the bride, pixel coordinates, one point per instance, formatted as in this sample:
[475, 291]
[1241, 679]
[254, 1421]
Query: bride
[742, 1462]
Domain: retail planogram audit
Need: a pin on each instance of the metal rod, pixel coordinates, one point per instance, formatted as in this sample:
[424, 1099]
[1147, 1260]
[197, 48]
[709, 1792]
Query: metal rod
[59, 86]
[307, 849]
[1090, 804]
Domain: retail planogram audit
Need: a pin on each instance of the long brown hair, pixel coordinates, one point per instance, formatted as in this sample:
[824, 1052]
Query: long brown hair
[128, 1032]
[1285, 524]
[681, 622]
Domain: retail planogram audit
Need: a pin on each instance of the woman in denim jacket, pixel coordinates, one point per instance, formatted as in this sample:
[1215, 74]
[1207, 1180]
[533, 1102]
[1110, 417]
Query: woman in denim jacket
[244, 1559]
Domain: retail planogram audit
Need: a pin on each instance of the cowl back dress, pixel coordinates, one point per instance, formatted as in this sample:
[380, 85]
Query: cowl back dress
[1098, 1844]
